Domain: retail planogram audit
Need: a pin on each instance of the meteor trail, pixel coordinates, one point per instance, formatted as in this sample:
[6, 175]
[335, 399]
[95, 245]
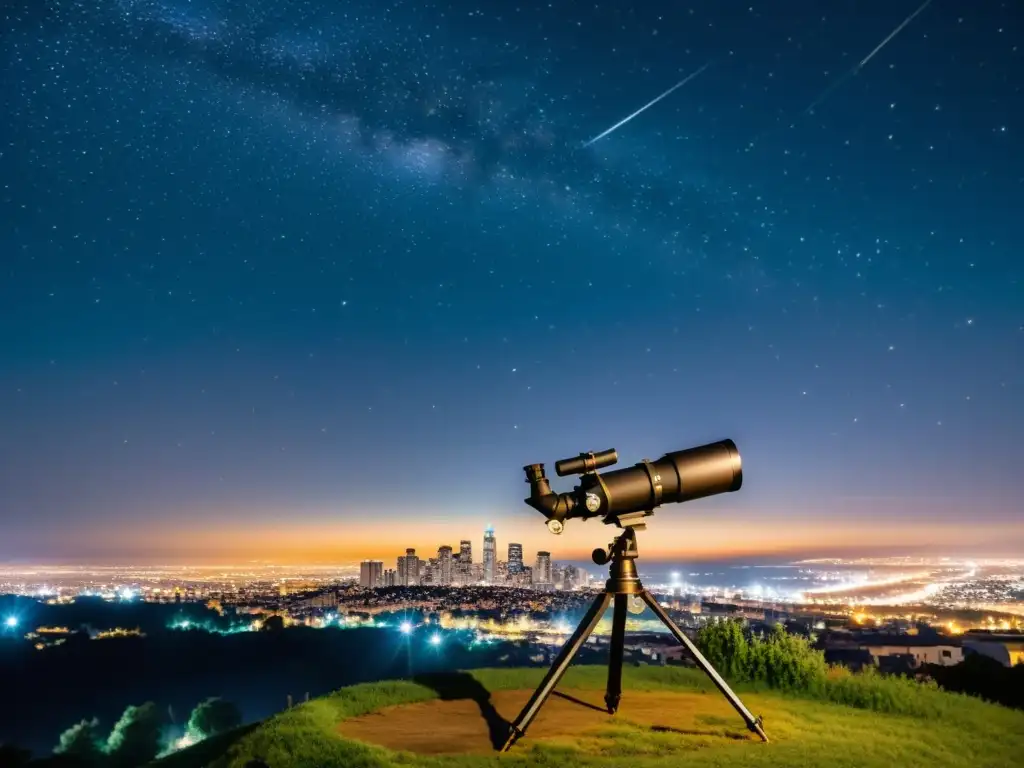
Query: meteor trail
[860, 65]
[649, 104]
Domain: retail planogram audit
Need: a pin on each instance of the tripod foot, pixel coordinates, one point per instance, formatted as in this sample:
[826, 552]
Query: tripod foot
[514, 735]
[758, 727]
[612, 702]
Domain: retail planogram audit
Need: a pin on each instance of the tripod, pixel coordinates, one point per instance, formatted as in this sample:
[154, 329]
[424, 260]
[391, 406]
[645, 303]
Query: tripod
[624, 582]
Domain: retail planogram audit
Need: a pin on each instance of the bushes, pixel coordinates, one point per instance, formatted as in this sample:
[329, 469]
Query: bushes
[891, 694]
[787, 662]
[777, 659]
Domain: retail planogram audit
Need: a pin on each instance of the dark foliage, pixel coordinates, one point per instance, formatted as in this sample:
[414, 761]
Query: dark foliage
[135, 738]
[776, 658]
[214, 716]
[273, 624]
[83, 742]
[981, 676]
[48, 690]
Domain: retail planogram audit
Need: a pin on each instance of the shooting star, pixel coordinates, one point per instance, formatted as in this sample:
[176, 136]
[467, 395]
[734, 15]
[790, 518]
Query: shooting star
[649, 104]
[860, 65]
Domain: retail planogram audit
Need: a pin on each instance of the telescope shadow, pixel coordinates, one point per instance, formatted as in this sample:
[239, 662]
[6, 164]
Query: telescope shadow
[455, 686]
[695, 732]
[655, 728]
[580, 702]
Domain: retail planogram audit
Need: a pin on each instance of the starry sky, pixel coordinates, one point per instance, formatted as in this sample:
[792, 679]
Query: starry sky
[312, 280]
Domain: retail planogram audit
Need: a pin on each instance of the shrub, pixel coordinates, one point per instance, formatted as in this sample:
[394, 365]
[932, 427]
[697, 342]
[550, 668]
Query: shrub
[211, 717]
[787, 662]
[82, 741]
[778, 659]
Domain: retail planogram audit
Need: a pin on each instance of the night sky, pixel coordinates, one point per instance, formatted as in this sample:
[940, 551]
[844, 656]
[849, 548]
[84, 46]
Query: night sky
[313, 280]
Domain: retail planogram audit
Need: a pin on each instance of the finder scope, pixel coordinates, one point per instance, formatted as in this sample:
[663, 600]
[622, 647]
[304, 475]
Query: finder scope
[624, 497]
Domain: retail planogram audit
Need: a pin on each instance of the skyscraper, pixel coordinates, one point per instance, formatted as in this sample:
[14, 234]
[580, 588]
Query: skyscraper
[444, 563]
[490, 550]
[515, 559]
[371, 574]
[542, 570]
[465, 562]
[409, 569]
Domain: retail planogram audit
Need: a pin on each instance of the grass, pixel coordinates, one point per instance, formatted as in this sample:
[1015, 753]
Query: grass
[668, 715]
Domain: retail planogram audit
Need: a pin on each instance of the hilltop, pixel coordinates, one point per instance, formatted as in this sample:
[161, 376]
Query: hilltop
[667, 714]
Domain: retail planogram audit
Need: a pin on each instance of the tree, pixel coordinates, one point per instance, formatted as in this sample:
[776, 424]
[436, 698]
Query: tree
[135, 738]
[213, 716]
[83, 742]
[273, 624]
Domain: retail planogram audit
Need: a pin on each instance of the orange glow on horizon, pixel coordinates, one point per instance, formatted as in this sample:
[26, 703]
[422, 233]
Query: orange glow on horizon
[668, 537]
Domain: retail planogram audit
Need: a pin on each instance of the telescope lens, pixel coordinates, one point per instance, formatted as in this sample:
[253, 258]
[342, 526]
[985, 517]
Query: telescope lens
[586, 462]
[676, 477]
[706, 470]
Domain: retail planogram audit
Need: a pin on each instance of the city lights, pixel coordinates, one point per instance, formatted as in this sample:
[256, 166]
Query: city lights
[872, 595]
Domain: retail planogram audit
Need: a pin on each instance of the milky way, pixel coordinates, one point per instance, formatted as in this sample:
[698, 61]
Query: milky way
[427, 99]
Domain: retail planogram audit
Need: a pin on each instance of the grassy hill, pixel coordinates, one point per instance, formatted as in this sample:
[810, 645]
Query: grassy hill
[667, 715]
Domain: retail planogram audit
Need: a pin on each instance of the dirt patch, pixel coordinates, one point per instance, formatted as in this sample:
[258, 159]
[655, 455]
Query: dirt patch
[464, 726]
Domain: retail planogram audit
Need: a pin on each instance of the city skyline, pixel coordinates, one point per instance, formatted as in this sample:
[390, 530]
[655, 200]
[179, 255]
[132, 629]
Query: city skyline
[306, 287]
[704, 540]
[445, 567]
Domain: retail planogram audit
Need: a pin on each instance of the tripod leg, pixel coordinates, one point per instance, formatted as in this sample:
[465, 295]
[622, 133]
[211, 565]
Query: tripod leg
[614, 690]
[561, 664]
[753, 723]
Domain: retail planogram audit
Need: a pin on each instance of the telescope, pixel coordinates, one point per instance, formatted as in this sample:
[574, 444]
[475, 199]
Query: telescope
[624, 497]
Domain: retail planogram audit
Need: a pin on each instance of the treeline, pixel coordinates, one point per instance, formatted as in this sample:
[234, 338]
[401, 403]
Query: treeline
[141, 735]
[46, 690]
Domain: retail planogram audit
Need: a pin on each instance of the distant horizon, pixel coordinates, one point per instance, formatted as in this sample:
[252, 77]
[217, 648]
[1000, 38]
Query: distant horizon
[752, 559]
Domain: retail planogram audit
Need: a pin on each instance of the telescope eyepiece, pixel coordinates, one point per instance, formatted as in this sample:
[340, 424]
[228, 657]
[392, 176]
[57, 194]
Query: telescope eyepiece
[534, 472]
[586, 462]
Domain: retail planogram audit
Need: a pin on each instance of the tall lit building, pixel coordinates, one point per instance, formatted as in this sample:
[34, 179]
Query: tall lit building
[409, 569]
[490, 550]
[515, 559]
[466, 561]
[542, 570]
[371, 574]
[444, 565]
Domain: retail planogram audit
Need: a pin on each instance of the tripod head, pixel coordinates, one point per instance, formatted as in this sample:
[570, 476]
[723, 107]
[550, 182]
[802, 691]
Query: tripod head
[623, 577]
[624, 497]
[623, 547]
